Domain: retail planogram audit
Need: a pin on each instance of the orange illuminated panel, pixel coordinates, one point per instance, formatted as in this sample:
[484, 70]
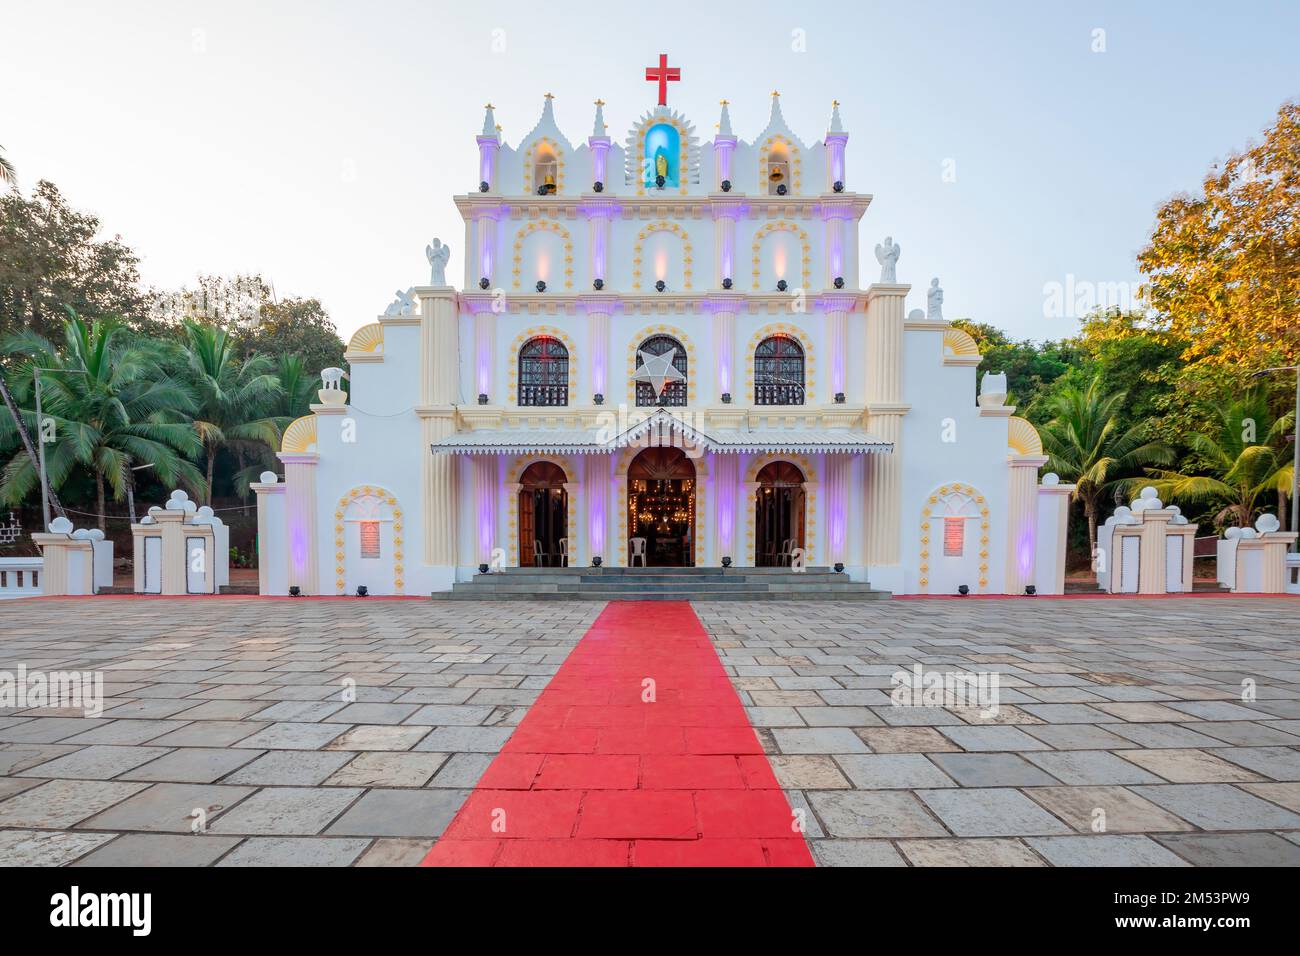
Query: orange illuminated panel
[954, 537]
[370, 539]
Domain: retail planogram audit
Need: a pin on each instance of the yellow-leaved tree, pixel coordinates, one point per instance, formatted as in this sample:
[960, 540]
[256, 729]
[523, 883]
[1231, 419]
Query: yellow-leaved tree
[1223, 268]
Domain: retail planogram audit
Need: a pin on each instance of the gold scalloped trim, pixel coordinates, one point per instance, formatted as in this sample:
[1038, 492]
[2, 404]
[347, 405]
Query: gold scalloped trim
[543, 225]
[536, 332]
[663, 225]
[636, 341]
[1022, 437]
[805, 343]
[782, 225]
[368, 338]
[363, 491]
[300, 436]
[809, 498]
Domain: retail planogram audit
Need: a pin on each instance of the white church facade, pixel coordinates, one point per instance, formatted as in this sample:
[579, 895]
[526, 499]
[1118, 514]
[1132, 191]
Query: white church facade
[662, 354]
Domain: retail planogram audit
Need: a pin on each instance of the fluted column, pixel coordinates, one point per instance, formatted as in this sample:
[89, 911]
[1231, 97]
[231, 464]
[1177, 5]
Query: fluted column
[486, 481]
[726, 490]
[301, 520]
[836, 307]
[885, 420]
[724, 306]
[1022, 521]
[595, 472]
[1153, 556]
[439, 391]
[836, 471]
[272, 558]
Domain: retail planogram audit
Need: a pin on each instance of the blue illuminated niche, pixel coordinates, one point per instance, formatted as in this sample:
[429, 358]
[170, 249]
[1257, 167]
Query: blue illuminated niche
[662, 141]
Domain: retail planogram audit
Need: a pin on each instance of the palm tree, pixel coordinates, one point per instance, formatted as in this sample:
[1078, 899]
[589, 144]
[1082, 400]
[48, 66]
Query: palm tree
[111, 406]
[1243, 468]
[297, 390]
[231, 395]
[1085, 446]
[8, 175]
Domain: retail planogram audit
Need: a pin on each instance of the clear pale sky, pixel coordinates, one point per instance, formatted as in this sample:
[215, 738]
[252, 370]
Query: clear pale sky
[319, 143]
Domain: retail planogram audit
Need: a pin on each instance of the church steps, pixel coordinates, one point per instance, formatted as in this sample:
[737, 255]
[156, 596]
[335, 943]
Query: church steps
[668, 584]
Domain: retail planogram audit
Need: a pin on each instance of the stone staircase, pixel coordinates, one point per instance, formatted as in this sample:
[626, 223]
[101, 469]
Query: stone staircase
[661, 584]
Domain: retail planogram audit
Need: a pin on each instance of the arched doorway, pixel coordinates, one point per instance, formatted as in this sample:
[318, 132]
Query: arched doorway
[543, 515]
[661, 506]
[779, 516]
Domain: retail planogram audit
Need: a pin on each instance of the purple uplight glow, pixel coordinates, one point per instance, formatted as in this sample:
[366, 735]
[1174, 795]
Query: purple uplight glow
[1025, 552]
[486, 525]
[724, 493]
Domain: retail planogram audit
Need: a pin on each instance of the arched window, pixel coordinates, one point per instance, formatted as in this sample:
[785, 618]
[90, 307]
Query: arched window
[778, 372]
[546, 170]
[544, 372]
[674, 393]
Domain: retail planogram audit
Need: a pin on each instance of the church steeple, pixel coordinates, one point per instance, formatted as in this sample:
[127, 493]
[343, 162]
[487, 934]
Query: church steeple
[836, 141]
[489, 142]
[599, 144]
[775, 118]
[548, 114]
[837, 126]
[724, 144]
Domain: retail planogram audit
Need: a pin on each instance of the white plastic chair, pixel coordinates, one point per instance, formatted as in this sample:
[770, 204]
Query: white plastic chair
[564, 552]
[540, 558]
[638, 551]
[787, 548]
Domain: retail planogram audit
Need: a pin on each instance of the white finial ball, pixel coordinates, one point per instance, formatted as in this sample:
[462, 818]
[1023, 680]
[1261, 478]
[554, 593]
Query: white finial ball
[1051, 478]
[1148, 492]
[1232, 533]
[916, 315]
[61, 525]
[1123, 511]
[205, 511]
[268, 478]
[95, 535]
[81, 534]
[1267, 524]
[179, 495]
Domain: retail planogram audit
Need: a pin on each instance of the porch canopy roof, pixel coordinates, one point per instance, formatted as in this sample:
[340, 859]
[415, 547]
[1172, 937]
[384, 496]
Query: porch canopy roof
[662, 428]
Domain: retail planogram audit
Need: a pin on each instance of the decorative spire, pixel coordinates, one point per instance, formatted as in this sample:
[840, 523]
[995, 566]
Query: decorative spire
[776, 108]
[837, 126]
[490, 126]
[724, 123]
[547, 112]
[598, 128]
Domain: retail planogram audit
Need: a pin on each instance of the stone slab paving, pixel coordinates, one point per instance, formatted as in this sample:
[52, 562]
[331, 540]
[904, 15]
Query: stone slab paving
[1121, 736]
[321, 733]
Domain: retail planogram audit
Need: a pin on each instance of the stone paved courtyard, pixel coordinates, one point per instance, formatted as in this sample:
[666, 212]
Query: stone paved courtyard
[1122, 736]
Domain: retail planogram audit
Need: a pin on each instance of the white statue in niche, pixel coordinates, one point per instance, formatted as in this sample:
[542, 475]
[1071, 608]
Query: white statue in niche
[934, 301]
[887, 256]
[438, 255]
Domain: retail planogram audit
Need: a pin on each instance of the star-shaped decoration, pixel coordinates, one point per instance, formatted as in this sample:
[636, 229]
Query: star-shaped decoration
[658, 370]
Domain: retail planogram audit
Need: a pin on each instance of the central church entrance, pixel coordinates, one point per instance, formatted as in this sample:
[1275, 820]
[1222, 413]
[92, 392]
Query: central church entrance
[661, 509]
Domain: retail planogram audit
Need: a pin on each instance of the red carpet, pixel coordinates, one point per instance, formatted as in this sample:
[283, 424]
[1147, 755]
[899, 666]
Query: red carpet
[597, 774]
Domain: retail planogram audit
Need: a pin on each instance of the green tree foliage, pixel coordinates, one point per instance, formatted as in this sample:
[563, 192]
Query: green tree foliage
[232, 395]
[111, 407]
[1246, 457]
[49, 259]
[1087, 445]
